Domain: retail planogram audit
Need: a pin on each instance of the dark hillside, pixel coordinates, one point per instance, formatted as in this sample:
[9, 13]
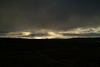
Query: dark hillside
[50, 53]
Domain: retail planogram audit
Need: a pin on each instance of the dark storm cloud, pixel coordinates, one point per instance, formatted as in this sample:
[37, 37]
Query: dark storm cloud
[48, 14]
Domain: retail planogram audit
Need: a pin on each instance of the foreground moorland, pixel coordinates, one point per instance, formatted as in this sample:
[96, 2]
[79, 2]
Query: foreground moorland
[75, 52]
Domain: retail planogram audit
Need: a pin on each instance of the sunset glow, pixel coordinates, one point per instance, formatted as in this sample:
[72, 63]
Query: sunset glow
[26, 33]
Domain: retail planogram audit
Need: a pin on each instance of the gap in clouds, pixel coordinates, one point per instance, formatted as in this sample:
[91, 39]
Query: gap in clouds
[45, 34]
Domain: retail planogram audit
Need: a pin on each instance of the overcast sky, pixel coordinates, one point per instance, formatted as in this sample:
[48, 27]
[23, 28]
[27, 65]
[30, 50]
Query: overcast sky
[18, 15]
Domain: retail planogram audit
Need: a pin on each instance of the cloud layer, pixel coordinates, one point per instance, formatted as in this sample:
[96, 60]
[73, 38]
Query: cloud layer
[18, 15]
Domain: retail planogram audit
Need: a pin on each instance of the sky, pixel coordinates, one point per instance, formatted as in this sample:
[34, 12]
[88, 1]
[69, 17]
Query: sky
[60, 15]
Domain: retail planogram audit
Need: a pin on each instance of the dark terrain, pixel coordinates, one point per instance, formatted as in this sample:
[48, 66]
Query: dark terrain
[81, 52]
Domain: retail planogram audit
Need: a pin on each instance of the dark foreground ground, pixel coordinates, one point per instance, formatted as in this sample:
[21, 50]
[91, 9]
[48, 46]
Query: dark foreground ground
[50, 53]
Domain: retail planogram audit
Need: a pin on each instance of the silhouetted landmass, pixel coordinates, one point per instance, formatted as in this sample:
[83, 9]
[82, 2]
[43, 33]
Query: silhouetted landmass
[77, 52]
